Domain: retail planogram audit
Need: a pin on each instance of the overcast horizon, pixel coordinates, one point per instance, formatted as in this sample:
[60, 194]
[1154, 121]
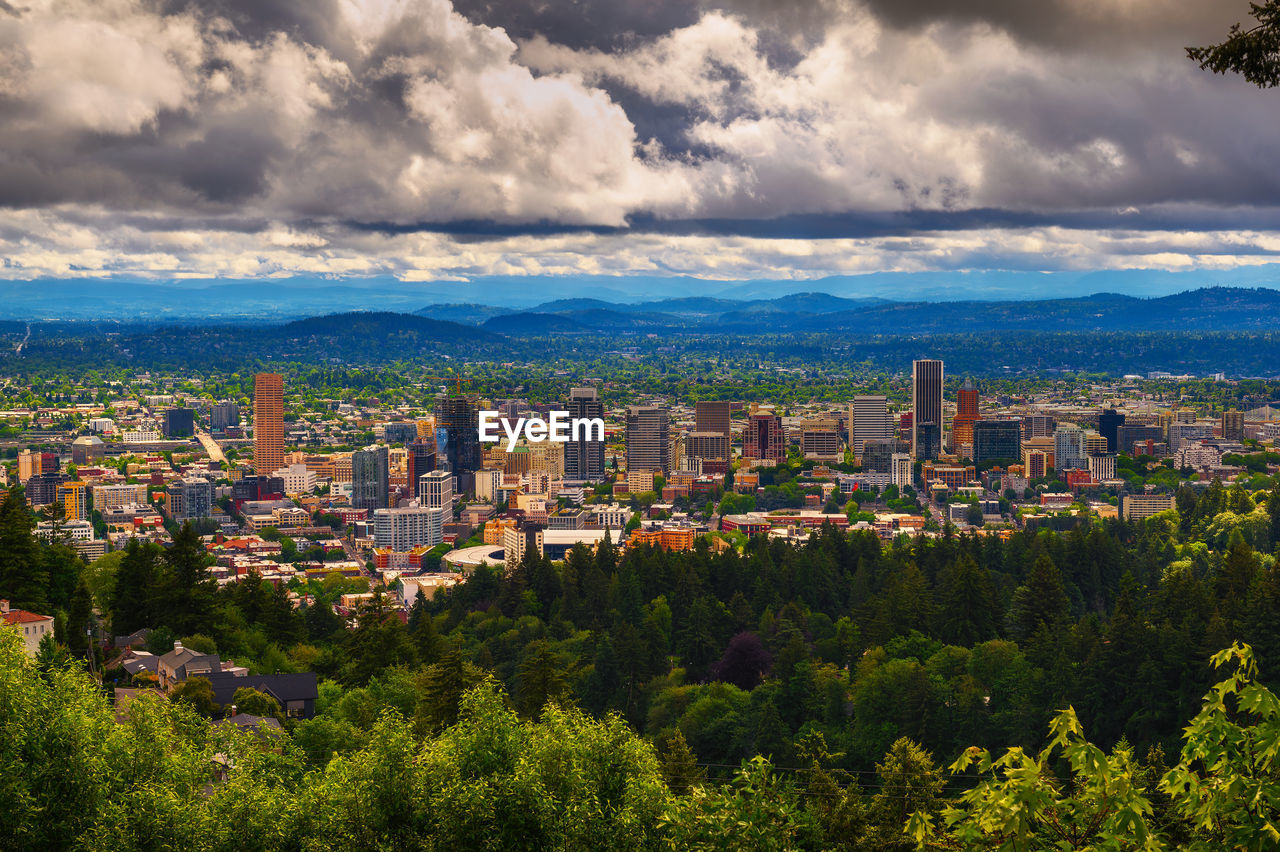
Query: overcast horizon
[730, 141]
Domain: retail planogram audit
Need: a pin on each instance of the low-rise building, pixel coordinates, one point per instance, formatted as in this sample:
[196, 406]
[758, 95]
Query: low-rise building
[1139, 506]
[32, 627]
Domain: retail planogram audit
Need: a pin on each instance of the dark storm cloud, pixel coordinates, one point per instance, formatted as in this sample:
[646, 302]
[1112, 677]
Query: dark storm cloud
[312, 21]
[324, 126]
[583, 23]
[1172, 218]
[1075, 25]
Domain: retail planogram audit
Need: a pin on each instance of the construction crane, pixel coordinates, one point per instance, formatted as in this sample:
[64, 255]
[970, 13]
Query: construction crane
[457, 381]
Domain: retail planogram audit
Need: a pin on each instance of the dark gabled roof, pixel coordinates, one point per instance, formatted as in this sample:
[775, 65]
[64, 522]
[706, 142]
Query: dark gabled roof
[281, 687]
[185, 660]
[250, 722]
[137, 637]
[137, 664]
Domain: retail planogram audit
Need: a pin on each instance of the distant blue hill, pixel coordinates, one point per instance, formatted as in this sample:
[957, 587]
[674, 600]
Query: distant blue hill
[1207, 309]
[683, 298]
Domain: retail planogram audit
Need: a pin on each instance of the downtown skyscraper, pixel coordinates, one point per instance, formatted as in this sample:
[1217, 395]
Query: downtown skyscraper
[926, 409]
[966, 416]
[268, 423]
[458, 433]
[370, 478]
[584, 459]
[869, 420]
[648, 439]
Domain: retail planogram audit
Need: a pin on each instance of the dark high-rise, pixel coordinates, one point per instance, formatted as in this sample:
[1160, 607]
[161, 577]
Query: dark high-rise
[1129, 434]
[1233, 425]
[42, 489]
[223, 415]
[257, 487]
[400, 432]
[926, 409]
[584, 459]
[179, 423]
[458, 432]
[648, 439]
[712, 417]
[877, 453]
[1037, 426]
[370, 478]
[997, 439]
[420, 459]
[1109, 423]
[764, 440]
[928, 440]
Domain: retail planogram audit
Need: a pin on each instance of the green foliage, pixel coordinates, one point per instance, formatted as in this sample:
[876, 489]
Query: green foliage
[758, 810]
[1019, 804]
[1227, 782]
[1253, 53]
[196, 693]
[255, 703]
[23, 577]
[1224, 793]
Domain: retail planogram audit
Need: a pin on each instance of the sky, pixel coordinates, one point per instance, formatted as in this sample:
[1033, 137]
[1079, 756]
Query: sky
[740, 139]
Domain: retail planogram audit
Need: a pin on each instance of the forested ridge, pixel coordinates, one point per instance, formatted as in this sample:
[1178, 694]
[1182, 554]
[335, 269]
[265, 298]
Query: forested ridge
[813, 693]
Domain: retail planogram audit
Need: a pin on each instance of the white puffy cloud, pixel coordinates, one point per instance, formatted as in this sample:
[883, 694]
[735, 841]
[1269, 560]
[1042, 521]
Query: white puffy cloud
[343, 137]
[95, 245]
[413, 115]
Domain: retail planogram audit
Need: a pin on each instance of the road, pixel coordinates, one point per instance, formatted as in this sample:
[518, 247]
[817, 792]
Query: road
[211, 447]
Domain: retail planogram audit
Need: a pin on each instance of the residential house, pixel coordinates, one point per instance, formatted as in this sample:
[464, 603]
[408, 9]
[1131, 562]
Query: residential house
[32, 626]
[296, 693]
[182, 663]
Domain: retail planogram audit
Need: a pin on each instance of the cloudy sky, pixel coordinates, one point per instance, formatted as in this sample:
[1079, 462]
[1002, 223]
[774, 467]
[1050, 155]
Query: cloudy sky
[736, 139]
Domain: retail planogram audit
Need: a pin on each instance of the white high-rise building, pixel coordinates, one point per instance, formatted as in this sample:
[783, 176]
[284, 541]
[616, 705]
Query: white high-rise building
[868, 418]
[1102, 466]
[1068, 448]
[297, 479]
[488, 483]
[435, 491]
[404, 529]
[900, 469]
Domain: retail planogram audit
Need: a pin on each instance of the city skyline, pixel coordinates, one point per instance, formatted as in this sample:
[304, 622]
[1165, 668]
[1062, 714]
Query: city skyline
[639, 425]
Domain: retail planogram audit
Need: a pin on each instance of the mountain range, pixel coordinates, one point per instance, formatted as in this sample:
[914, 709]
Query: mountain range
[283, 299]
[1208, 309]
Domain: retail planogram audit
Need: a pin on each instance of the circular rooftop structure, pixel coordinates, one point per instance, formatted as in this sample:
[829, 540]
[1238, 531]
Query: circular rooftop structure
[470, 558]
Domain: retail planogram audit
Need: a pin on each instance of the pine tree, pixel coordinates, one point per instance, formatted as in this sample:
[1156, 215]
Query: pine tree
[422, 629]
[1273, 511]
[909, 783]
[967, 604]
[1041, 601]
[132, 603]
[379, 641]
[23, 580]
[283, 624]
[190, 595]
[322, 622]
[680, 767]
[78, 615]
[440, 688]
[539, 679]
[1233, 582]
